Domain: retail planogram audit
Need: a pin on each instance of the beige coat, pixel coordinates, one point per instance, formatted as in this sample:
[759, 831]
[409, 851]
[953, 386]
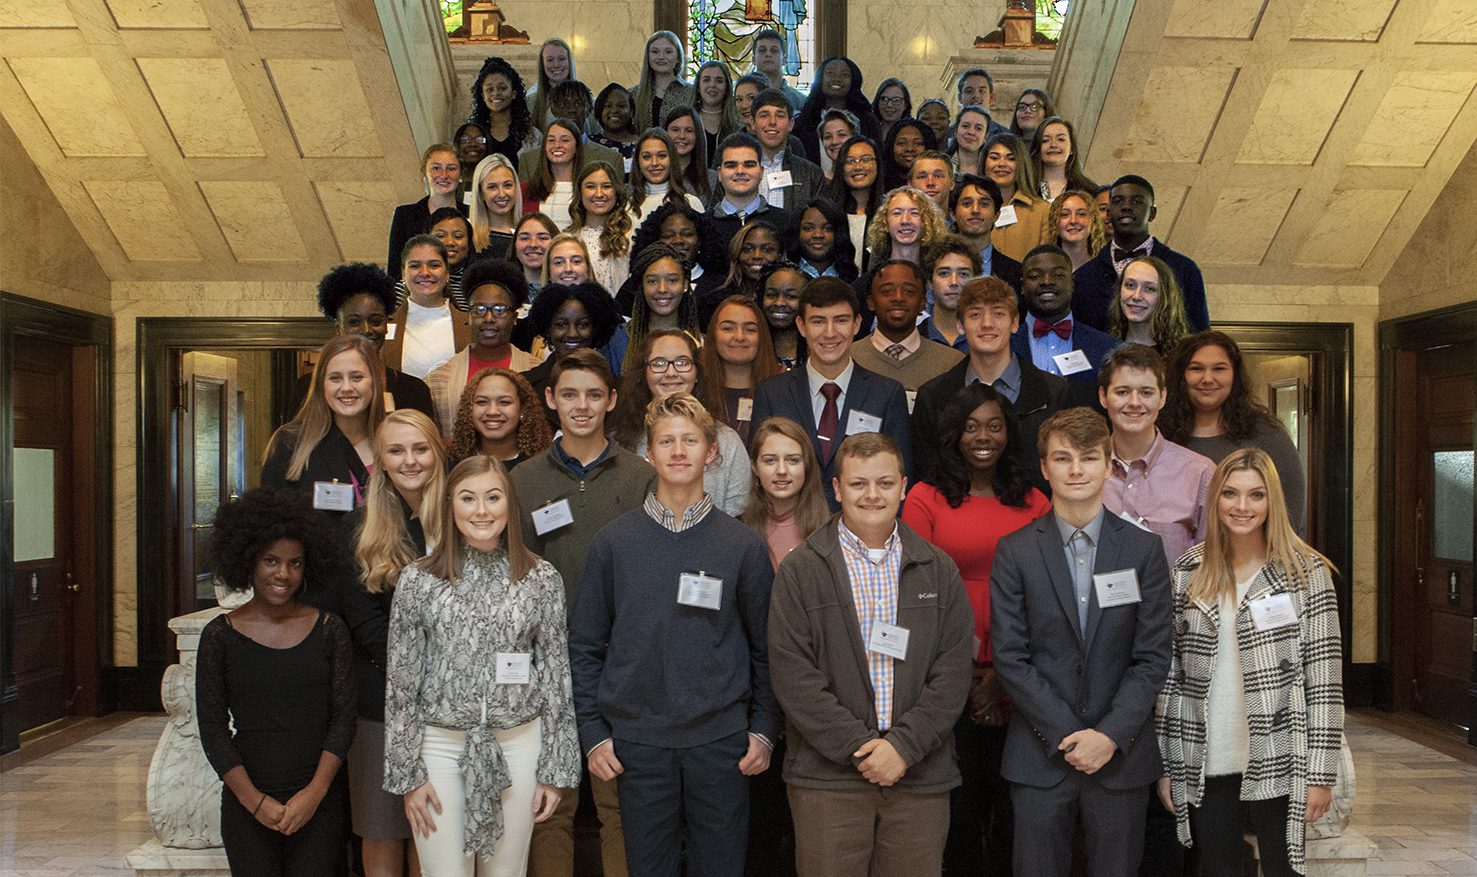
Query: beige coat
[448, 380]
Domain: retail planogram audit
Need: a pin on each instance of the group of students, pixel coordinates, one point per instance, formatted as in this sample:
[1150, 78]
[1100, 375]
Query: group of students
[952, 564]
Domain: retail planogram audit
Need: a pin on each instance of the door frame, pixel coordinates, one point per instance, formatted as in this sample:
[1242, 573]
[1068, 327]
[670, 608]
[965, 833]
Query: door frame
[1405, 335]
[160, 339]
[20, 315]
[1332, 383]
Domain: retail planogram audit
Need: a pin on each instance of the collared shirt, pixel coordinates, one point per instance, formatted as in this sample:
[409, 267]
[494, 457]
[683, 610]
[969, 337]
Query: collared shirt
[874, 580]
[810, 270]
[1008, 384]
[745, 210]
[1047, 346]
[1165, 493]
[691, 516]
[1079, 546]
[1122, 257]
[816, 380]
[910, 343]
[929, 327]
[773, 197]
[987, 259]
[580, 470]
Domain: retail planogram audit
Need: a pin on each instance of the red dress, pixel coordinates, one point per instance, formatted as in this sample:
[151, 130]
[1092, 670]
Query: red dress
[968, 534]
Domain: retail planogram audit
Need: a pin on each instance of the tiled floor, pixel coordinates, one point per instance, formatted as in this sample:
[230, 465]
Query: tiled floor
[78, 812]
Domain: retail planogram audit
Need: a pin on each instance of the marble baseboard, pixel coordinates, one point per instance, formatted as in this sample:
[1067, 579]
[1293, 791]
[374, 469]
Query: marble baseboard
[1346, 855]
[153, 859]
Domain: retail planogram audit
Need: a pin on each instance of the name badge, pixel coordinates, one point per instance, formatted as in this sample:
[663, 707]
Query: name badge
[912, 399]
[1117, 588]
[778, 179]
[889, 640]
[627, 162]
[1136, 520]
[552, 516]
[1273, 611]
[389, 401]
[699, 590]
[467, 196]
[861, 421]
[513, 668]
[330, 496]
[1006, 216]
[746, 409]
[1071, 362]
[390, 329]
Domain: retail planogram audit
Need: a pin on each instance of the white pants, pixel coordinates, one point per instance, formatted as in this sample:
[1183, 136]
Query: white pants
[441, 854]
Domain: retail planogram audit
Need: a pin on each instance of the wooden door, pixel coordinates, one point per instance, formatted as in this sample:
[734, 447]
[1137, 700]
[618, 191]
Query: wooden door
[1438, 459]
[211, 467]
[47, 592]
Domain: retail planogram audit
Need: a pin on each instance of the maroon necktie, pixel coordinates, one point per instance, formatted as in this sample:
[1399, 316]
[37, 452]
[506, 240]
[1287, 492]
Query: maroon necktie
[829, 417]
[1041, 328]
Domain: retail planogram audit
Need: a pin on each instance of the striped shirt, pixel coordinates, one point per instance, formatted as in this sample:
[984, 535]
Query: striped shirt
[691, 517]
[874, 579]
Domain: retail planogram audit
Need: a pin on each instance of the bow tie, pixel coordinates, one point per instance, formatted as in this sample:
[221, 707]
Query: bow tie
[1063, 328]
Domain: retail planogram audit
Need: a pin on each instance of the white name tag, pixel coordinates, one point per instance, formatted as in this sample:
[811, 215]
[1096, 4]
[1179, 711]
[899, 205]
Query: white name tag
[467, 198]
[389, 402]
[390, 329]
[1273, 611]
[627, 163]
[746, 409]
[701, 591]
[1071, 362]
[1136, 521]
[513, 668]
[861, 421]
[1117, 588]
[912, 399]
[330, 496]
[889, 640]
[1006, 216]
[552, 516]
[778, 179]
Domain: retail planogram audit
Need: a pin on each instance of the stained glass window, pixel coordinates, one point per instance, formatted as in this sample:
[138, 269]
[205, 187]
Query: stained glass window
[451, 14]
[724, 30]
[1050, 15]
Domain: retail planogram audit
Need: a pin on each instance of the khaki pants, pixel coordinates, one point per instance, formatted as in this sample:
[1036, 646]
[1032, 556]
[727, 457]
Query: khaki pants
[552, 852]
[871, 830]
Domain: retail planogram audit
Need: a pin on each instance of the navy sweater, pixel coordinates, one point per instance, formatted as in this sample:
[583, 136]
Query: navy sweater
[650, 670]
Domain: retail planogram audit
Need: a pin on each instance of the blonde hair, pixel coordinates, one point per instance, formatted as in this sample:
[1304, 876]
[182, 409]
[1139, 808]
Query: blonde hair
[445, 561]
[1097, 230]
[933, 226]
[1214, 579]
[681, 405]
[540, 106]
[481, 216]
[641, 95]
[565, 237]
[313, 419]
[383, 547]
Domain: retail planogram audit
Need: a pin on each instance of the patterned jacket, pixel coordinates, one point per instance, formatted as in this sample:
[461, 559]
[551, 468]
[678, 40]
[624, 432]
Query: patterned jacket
[1292, 678]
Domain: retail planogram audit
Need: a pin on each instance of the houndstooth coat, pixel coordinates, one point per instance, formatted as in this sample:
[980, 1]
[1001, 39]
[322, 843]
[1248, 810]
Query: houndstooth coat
[1292, 677]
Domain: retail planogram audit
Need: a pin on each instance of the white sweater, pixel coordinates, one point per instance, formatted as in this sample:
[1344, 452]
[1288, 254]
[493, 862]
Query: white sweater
[1227, 739]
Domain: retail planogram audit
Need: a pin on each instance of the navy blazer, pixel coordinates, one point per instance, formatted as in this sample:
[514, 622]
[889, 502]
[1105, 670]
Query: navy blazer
[1094, 283]
[1094, 344]
[1060, 681]
[788, 395]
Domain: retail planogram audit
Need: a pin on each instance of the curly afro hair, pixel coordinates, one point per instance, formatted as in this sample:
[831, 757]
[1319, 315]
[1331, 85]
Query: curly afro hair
[246, 526]
[710, 251]
[605, 318]
[496, 271]
[355, 278]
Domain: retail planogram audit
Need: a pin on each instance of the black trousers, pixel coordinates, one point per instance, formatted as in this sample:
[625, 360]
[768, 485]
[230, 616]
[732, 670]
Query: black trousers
[1216, 827]
[1163, 854]
[1111, 822]
[980, 825]
[664, 791]
[315, 850]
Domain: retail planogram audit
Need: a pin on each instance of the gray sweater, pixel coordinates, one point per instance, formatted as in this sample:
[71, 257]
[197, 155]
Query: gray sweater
[1273, 439]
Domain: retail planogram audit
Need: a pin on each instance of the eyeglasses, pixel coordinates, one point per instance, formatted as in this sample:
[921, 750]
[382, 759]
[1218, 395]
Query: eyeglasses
[1024, 107]
[852, 160]
[468, 139]
[480, 311]
[889, 99]
[683, 364]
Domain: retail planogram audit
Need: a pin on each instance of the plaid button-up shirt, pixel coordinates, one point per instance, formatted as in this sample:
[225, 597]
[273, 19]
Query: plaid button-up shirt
[874, 574]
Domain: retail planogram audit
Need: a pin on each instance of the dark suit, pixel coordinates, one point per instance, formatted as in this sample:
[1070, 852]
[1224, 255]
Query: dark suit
[788, 395]
[1009, 270]
[726, 226]
[1094, 284]
[1095, 345]
[806, 181]
[1061, 682]
[1041, 396]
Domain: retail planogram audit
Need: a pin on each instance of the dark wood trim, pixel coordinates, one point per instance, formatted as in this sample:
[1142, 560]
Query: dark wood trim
[26, 316]
[1405, 335]
[670, 15]
[830, 30]
[160, 340]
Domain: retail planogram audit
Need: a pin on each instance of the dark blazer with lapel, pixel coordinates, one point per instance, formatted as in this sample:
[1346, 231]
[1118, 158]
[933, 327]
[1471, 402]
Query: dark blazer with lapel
[1060, 682]
[1096, 281]
[806, 181]
[1094, 344]
[788, 395]
[1009, 270]
[1042, 395]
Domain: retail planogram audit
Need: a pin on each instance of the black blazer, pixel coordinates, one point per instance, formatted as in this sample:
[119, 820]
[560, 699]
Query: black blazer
[408, 391]
[1009, 270]
[410, 220]
[1095, 282]
[368, 617]
[1060, 682]
[334, 459]
[1095, 345]
[1041, 396]
[788, 395]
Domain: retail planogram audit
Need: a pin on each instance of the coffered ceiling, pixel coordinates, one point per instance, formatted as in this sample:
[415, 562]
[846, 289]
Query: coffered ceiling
[226, 139]
[1289, 141]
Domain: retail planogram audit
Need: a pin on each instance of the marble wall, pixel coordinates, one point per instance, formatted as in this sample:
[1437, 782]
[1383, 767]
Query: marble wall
[607, 35]
[1435, 269]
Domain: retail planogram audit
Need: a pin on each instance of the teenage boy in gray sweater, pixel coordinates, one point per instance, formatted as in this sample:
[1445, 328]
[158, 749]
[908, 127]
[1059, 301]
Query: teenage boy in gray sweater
[669, 657]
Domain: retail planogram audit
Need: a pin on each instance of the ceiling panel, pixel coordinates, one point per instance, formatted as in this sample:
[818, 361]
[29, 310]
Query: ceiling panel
[157, 13]
[1413, 117]
[1296, 113]
[326, 107]
[1242, 225]
[34, 13]
[1362, 20]
[355, 212]
[78, 105]
[290, 15]
[1224, 19]
[255, 219]
[1178, 114]
[1335, 242]
[204, 110]
[1451, 21]
[143, 218]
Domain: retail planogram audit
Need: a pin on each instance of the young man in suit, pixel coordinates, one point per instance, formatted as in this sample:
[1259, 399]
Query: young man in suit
[1049, 336]
[1080, 623]
[974, 205]
[832, 397]
[988, 315]
[787, 181]
[738, 199]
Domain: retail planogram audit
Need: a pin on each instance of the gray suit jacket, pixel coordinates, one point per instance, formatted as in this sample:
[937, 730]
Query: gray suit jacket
[1060, 682]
